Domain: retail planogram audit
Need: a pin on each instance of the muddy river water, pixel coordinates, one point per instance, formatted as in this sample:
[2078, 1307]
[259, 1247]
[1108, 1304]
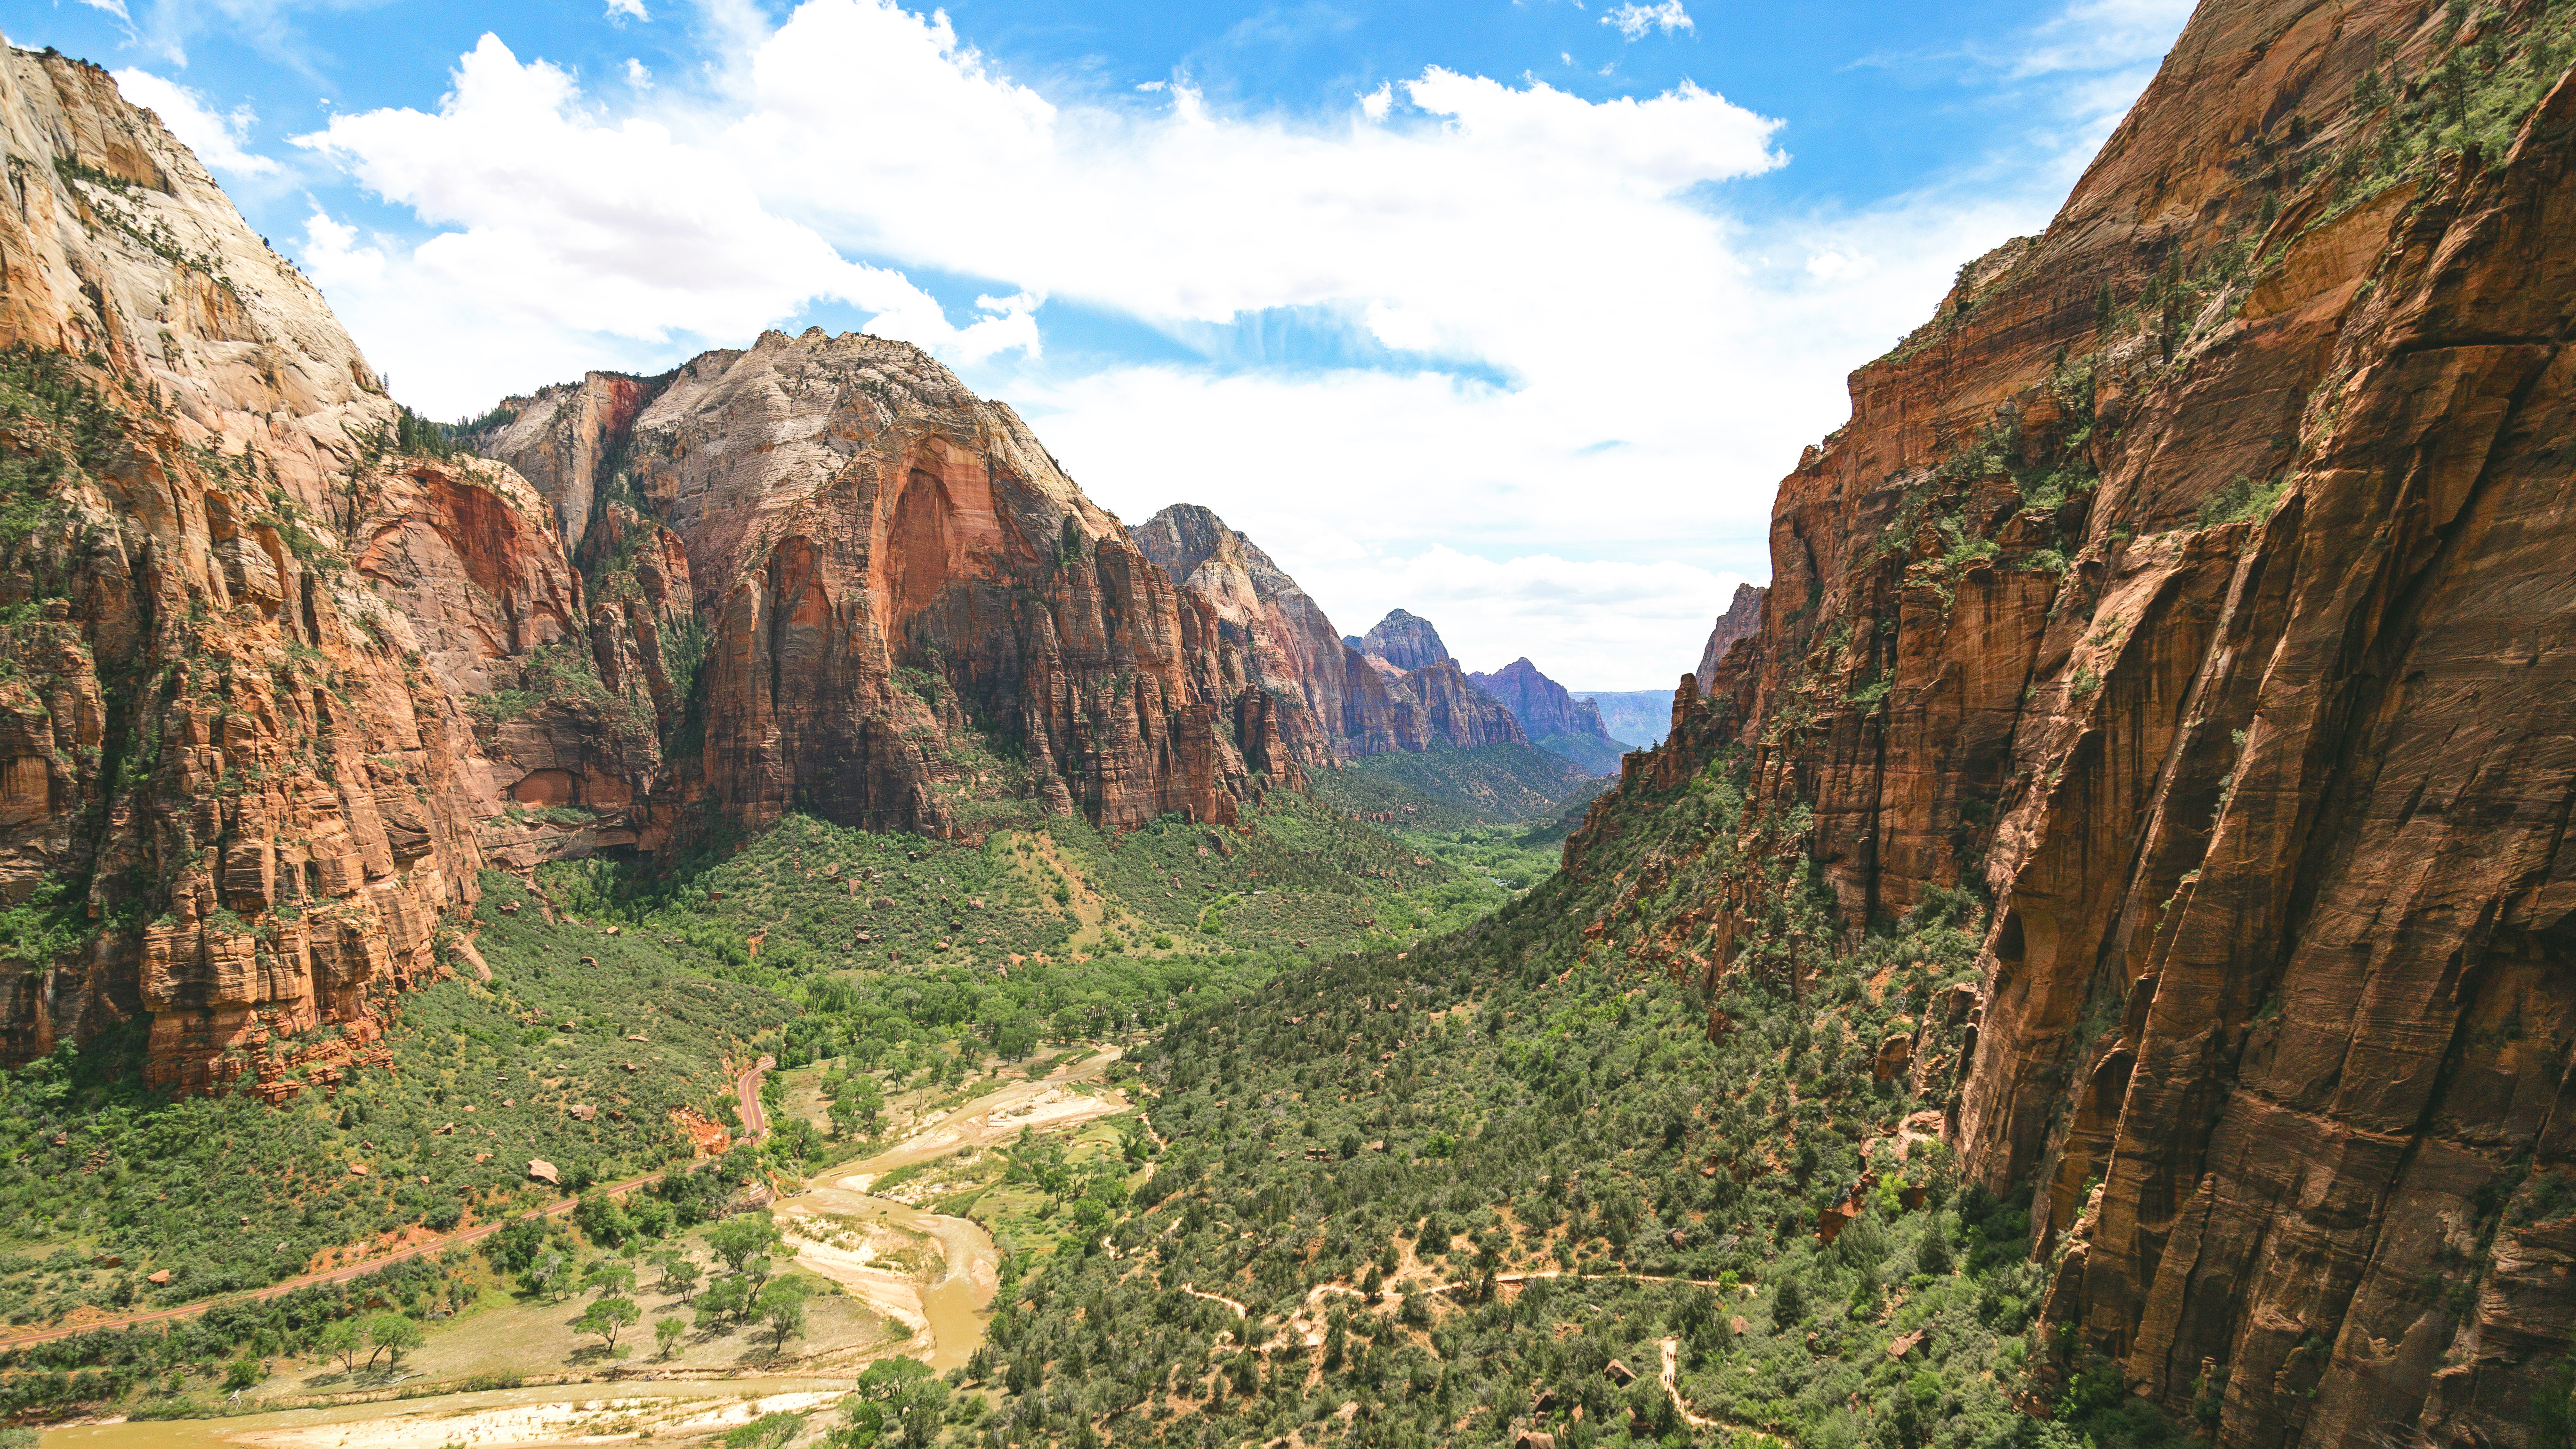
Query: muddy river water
[945, 1303]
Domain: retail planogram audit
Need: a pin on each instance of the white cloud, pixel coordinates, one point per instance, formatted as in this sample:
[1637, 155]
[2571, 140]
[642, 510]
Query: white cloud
[1633, 21]
[216, 136]
[562, 227]
[638, 74]
[1624, 369]
[112, 7]
[2093, 35]
[620, 11]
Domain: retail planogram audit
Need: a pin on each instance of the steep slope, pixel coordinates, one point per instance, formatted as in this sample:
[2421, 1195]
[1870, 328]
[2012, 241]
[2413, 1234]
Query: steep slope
[1642, 716]
[240, 621]
[1405, 640]
[2194, 588]
[1553, 719]
[1742, 618]
[899, 589]
[1328, 700]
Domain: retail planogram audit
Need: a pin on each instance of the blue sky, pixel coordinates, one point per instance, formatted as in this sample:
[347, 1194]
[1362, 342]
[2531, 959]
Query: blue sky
[1509, 313]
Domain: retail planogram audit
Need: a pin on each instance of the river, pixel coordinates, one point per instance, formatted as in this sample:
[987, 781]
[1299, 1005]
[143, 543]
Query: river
[947, 1314]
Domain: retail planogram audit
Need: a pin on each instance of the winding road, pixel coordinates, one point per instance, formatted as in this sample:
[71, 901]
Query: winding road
[746, 1086]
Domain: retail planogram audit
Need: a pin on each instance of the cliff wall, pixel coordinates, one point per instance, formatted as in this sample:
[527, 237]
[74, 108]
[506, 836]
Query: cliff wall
[1553, 719]
[2194, 590]
[1332, 700]
[242, 785]
[281, 672]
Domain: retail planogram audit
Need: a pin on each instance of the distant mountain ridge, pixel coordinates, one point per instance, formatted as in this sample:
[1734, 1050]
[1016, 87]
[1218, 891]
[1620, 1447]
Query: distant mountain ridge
[1330, 701]
[1554, 719]
[1640, 717]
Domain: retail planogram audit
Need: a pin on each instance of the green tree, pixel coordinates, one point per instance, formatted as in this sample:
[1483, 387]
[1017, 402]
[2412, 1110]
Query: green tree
[679, 1276]
[606, 1276]
[667, 1333]
[1040, 1162]
[896, 1398]
[342, 1339]
[781, 1309]
[607, 1317]
[391, 1335]
[737, 1240]
[725, 1299]
[857, 1108]
[795, 1142]
[766, 1432]
[545, 1277]
[601, 1220]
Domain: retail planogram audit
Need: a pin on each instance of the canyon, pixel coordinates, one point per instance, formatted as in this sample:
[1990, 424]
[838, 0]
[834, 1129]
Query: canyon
[2187, 604]
[2193, 593]
[290, 667]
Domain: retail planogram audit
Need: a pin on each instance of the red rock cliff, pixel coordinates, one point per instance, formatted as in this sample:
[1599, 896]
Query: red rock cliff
[1332, 702]
[239, 789]
[892, 577]
[2196, 587]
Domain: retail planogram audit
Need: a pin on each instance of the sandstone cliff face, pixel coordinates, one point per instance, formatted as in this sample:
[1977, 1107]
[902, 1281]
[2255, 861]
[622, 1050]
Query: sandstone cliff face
[896, 583]
[1333, 701]
[1540, 703]
[240, 788]
[1553, 719]
[1405, 640]
[1742, 619]
[2196, 588]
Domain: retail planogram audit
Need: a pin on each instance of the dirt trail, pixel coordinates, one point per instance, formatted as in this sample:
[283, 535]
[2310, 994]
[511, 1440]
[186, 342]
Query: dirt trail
[755, 1125]
[748, 1085]
[1216, 1298]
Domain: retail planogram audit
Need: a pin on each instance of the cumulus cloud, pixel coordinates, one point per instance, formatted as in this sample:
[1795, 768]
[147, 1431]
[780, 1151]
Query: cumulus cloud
[558, 225]
[216, 136]
[1633, 21]
[620, 11]
[1590, 374]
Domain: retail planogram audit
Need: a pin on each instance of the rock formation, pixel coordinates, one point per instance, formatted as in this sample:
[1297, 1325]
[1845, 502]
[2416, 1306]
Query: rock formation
[241, 778]
[1743, 617]
[286, 671]
[899, 587]
[1406, 641]
[1554, 720]
[1636, 717]
[2195, 588]
[1332, 700]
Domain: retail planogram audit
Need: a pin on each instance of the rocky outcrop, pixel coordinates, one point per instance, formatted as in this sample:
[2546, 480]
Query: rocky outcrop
[1553, 719]
[900, 591]
[1406, 641]
[241, 786]
[2194, 589]
[569, 441]
[1743, 617]
[1332, 701]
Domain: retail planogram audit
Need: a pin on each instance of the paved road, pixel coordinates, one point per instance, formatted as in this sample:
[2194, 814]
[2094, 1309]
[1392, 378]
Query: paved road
[747, 1086]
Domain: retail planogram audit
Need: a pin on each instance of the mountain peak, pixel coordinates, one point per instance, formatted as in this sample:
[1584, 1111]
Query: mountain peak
[1405, 640]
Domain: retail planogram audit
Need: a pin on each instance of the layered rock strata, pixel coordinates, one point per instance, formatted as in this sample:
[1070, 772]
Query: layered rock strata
[1553, 719]
[887, 569]
[1334, 701]
[241, 782]
[1743, 616]
[2195, 590]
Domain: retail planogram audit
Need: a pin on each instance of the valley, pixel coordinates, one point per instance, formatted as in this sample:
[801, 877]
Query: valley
[740, 906]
